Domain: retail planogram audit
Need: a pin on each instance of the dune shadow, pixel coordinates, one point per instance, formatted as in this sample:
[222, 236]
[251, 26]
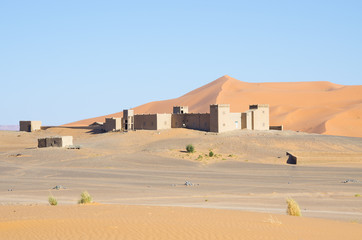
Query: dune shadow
[97, 131]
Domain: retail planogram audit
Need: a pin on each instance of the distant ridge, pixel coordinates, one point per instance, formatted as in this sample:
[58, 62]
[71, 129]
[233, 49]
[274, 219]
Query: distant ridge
[9, 127]
[314, 107]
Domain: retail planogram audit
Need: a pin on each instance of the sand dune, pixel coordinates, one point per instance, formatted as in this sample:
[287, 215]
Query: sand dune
[144, 222]
[315, 107]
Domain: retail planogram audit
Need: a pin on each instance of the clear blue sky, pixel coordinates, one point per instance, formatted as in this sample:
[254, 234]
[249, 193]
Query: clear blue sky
[62, 61]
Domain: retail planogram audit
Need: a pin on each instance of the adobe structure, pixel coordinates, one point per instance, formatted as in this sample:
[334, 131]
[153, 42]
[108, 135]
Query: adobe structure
[58, 141]
[112, 124]
[29, 126]
[219, 120]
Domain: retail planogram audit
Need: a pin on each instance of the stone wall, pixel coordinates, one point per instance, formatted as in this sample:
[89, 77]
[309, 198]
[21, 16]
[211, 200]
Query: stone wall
[145, 121]
[197, 121]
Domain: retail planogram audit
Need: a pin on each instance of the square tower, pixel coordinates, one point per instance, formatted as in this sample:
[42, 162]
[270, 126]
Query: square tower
[220, 118]
[260, 116]
[128, 120]
[180, 109]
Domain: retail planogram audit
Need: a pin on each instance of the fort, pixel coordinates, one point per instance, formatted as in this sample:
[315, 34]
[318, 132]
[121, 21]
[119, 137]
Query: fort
[219, 120]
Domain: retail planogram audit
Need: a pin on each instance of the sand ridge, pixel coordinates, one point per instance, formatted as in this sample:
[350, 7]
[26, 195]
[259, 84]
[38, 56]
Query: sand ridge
[314, 107]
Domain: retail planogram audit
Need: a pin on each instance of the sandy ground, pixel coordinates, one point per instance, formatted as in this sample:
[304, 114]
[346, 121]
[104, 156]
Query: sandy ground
[146, 222]
[148, 169]
[314, 107]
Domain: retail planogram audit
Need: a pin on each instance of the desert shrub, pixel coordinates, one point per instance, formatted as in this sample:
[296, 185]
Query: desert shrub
[211, 153]
[52, 201]
[293, 208]
[357, 195]
[190, 148]
[85, 198]
[199, 157]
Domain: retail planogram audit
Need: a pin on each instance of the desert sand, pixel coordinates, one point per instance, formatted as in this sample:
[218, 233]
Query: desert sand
[313, 107]
[145, 222]
[137, 179]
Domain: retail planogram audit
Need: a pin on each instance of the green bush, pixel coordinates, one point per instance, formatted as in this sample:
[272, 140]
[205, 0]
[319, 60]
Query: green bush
[190, 148]
[211, 153]
[293, 208]
[52, 201]
[85, 198]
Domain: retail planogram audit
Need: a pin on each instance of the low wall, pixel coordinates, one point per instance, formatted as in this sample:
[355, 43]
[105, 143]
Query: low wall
[58, 141]
[279, 128]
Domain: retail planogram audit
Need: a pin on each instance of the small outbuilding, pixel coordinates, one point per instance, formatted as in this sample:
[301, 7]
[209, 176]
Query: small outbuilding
[112, 124]
[57, 141]
[29, 126]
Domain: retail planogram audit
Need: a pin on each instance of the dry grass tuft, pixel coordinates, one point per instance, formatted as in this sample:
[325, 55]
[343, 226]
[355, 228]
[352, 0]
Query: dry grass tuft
[52, 201]
[293, 208]
[85, 198]
[190, 148]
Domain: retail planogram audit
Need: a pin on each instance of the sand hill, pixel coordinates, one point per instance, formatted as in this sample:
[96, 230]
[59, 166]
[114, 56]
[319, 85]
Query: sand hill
[314, 107]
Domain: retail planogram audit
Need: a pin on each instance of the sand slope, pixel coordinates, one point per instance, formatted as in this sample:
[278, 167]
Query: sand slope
[315, 107]
[144, 222]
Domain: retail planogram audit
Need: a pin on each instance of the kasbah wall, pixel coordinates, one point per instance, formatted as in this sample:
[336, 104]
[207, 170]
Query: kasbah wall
[219, 120]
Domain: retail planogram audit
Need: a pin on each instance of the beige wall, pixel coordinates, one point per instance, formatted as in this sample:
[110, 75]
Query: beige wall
[235, 119]
[113, 124]
[260, 118]
[29, 126]
[163, 121]
[220, 118]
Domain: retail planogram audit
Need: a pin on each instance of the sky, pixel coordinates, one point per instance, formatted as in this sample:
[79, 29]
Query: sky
[63, 61]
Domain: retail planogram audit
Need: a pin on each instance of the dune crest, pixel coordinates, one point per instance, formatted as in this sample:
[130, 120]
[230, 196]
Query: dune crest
[314, 107]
